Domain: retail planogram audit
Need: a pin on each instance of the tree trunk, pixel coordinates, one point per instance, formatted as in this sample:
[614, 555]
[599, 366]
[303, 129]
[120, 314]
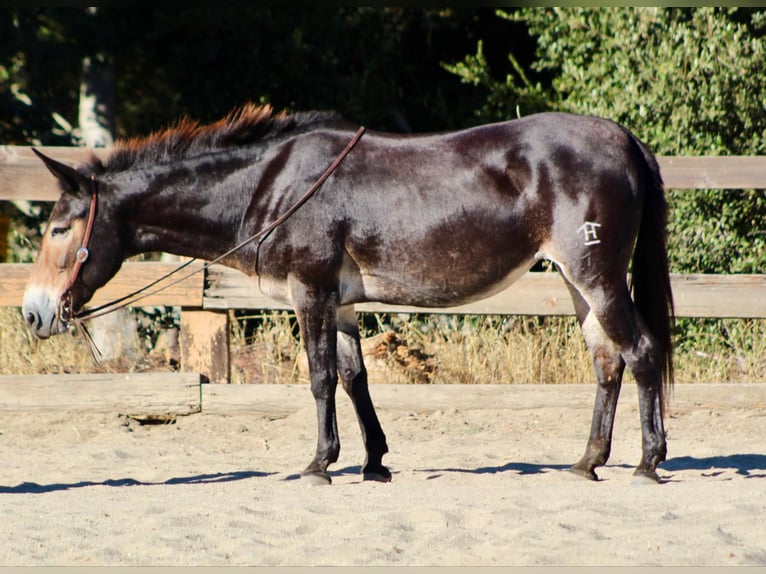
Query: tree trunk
[96, 105]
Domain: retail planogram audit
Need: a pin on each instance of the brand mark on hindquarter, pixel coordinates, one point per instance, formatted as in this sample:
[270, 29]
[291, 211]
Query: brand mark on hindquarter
[589, 229]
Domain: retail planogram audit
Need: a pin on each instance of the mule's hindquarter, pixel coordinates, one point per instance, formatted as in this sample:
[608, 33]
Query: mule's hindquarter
[440, 220]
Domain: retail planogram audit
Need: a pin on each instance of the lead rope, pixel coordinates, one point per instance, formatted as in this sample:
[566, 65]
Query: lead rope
[80, 318]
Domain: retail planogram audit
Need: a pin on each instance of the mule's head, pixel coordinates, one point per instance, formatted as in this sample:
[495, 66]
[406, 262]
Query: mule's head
[58, 287]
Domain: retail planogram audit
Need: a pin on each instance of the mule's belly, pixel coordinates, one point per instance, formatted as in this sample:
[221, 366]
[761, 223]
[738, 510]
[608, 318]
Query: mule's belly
[426, 289]
[405, 288]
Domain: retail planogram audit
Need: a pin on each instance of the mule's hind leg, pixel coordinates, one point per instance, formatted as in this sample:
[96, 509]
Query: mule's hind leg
[609, 367]
[644, 359]
[353, 375]
[617, 317]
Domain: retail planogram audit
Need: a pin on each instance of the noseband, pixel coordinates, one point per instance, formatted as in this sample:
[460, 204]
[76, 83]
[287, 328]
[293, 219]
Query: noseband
[66, 310]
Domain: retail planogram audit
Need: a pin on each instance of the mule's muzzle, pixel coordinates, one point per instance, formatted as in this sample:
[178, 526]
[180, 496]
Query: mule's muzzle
[41, 314]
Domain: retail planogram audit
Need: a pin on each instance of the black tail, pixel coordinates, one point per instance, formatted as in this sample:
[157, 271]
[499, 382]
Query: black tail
[651, 279]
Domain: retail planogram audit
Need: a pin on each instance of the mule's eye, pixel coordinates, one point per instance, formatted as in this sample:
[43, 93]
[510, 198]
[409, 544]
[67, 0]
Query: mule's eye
[59, 231]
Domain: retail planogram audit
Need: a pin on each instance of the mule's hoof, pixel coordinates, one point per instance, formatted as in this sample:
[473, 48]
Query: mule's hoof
[588, 473]
[379, 474]
[315, 478]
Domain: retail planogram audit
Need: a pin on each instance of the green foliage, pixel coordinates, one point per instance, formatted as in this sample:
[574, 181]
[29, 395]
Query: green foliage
[513, 96]
[718, 231]
[690, 80]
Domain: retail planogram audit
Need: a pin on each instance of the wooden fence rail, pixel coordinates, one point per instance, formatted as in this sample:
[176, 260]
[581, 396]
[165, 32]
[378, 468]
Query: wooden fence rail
[205, 298]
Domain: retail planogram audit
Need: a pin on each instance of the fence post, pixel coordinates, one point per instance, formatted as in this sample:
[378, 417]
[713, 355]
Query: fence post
[204, 343]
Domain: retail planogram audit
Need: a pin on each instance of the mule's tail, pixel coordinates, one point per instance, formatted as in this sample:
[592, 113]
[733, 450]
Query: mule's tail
[650, 278]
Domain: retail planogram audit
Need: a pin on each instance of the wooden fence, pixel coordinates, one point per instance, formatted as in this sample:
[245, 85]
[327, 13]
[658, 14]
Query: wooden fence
[205, 299]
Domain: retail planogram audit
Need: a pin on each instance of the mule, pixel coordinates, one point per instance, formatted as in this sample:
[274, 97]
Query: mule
[430, 220]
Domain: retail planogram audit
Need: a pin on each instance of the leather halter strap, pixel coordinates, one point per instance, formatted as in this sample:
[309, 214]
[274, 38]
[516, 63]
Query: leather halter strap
[144, 292]
[81, 255]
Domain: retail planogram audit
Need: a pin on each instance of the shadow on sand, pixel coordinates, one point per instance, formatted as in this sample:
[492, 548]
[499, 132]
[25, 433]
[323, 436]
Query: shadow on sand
[517, 467]
[34, 488]
[746, 465]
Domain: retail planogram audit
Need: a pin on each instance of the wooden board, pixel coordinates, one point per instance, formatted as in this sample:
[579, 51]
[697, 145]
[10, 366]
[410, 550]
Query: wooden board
[23, 176]
[274, 401]
[227, 288]
[280, 401]
[533, 294]
[133, 394]
[133, 275]
[157, 394]
[713, 172]
[721, 296]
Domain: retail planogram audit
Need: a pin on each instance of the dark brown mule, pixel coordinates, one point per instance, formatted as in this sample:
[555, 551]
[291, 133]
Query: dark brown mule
[428, 220]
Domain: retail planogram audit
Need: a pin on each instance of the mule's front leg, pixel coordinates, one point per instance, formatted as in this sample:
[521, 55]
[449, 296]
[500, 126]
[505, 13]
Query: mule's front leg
[316, 312]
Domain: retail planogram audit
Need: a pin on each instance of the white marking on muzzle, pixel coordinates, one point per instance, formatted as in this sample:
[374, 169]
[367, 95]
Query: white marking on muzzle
[40, 311]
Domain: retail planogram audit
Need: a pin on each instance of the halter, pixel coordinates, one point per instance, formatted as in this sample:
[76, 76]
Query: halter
[66, 312]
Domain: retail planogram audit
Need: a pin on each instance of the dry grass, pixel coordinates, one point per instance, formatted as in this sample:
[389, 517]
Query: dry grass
[22, 354]
[269, 353]
[459, 350]
[506, 350]
[516, 350]
[728, 350]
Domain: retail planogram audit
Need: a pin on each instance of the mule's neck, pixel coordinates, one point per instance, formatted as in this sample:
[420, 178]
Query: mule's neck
[192, 208]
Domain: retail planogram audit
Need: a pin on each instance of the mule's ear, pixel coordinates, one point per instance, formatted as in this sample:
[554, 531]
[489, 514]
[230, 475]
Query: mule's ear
[72, 179]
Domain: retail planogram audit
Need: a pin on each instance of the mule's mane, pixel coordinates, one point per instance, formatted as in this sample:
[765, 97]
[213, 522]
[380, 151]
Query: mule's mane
[245, 125]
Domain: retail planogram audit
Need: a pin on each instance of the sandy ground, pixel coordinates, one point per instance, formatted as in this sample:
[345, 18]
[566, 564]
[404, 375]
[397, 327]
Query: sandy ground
[478, 480]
